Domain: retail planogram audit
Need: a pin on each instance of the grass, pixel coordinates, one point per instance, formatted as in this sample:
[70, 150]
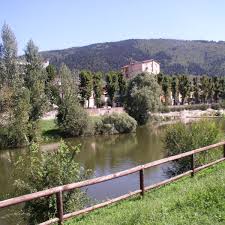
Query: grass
[49, 130]
[195, 201]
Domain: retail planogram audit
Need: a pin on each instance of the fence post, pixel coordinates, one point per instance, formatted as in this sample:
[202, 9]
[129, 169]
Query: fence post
[193, 165]
[142, 185]
[59, 202]
[224, 151]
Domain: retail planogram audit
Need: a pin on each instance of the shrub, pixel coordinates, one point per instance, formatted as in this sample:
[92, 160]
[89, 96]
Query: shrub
[181, 138]
[48, 170]
[222, 104]
[215, 106]
[72, 119]
[115, 123]
[185, 107]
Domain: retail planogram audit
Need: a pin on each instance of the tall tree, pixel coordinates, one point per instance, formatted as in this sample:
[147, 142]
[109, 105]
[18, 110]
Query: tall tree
[204, 85]
[51, 89]
[122, 86]
[184, 87]
[143, 97]
[97, 88]
[35, 77]
[216, 89]
[72, 118]
[16, 96]
[9, 50]
[196, 90]
[210, 90]
[86, 86]
[112, 85]
[166, 89]
[174, 89]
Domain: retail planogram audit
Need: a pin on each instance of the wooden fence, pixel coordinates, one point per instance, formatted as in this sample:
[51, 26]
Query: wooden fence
[58, 191]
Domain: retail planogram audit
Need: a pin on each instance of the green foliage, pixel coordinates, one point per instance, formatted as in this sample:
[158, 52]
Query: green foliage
[122, 86]
[49, 170]
[35, 77]
[174, 89]
[184, 107]
[97, 88]
[72, 119]
[180, 138]
[112, 85]
[184, 87]
[196, 90]
[166, 89]
[51, 89]
[114, 124]
[9, 67]
[143, 97]
[86, 86]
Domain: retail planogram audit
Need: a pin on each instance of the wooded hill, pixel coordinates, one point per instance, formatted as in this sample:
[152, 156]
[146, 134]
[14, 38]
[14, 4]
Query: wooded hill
[175, 56]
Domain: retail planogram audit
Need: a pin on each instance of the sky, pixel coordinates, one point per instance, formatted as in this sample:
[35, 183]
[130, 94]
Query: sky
[58, 24]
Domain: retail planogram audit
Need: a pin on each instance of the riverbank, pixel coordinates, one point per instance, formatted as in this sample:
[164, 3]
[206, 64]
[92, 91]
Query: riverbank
[198, 200]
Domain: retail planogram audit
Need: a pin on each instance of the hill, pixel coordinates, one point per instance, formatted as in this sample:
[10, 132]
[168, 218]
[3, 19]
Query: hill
[175, 56]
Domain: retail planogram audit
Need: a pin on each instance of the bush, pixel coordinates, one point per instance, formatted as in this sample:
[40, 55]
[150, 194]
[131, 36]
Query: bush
[72, 119]
[222, 104]
[215, 106]
[114, 124]
[180, 138]
[48, 170]
[185, 107]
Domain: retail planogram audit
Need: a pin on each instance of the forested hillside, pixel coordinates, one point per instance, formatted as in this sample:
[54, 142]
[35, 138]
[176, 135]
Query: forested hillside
[175, 56]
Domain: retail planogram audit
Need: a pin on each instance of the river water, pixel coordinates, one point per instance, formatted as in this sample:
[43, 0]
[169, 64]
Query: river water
[103, 155]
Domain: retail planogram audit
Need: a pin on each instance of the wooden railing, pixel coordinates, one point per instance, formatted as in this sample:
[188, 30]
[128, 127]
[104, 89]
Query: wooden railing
[58, 191]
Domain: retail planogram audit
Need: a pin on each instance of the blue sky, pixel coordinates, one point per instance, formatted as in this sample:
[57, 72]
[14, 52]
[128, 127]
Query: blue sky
[57, 24]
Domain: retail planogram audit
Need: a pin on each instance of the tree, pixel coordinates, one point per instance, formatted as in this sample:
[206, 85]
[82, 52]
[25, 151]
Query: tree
[49, 169]
[166, 89]
[97, 88]
[122, 86]
[174, 90]
[86, 85]
[16, 98]
[143, 97]
[184, 87]
[196, 90]
[216, 89]
[160, 78]
[72, 118]
[51, 89]
[9, 50]
[112, 85]
[204, 85]
[35, 77]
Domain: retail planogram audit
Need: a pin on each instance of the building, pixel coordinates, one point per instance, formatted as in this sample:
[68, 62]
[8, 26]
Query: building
[134, 68]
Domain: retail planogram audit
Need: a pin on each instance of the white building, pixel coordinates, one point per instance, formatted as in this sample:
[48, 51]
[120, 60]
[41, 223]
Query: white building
[132, 69]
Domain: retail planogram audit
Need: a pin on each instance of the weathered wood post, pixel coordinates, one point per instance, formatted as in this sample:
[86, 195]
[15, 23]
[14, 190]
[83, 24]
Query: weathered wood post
[224, 150]
[193, 165]
[59, 202]
[142, 184]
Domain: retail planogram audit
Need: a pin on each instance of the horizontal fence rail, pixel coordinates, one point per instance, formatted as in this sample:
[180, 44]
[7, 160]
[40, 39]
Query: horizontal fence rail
[58, 191]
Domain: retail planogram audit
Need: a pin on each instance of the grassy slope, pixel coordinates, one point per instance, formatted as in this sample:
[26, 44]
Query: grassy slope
[195, 201]
[49, 130]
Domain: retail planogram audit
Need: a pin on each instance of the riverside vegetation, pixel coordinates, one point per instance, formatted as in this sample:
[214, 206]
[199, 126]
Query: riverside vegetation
[28, 90]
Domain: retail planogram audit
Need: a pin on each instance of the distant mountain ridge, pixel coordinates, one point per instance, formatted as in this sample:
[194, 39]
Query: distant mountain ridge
[175, 56]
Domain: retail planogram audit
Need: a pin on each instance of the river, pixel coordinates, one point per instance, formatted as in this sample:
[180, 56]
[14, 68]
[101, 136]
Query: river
[103, 155]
